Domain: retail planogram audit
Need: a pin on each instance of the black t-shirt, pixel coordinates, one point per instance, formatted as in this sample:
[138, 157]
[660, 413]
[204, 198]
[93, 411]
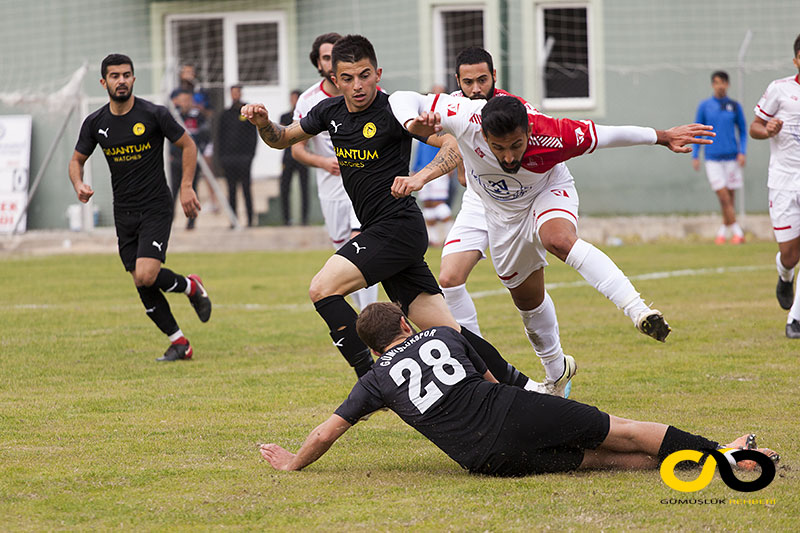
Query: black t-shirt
[372, 149]
[434, 382]
[133, 144]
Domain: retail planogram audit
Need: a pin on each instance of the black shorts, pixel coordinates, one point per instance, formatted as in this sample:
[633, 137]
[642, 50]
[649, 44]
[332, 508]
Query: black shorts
[393, 252]
[544, 433]
[142, 233]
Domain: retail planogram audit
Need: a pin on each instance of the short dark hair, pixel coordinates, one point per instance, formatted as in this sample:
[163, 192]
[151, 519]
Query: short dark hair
[352, 49]
[721, 74]
[114, 59]
[797, 45]
[473, 55]
[330, 38]
[296, 92]
[379, 324]
[502, 116]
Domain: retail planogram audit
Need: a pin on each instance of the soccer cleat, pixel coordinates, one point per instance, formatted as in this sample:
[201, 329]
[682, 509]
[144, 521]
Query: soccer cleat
[737, 239]
[720, 239]
[199, 299]
[177, 351]
[652, 323]
[745, 442]
[793, 329]
[750, 465]
[558, 387]
[785, 293]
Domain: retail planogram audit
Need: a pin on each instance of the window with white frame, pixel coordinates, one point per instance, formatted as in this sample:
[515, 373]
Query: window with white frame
[565, 59]
[455, 29]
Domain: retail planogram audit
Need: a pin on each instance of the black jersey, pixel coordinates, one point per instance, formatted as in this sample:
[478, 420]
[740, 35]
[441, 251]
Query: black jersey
[372, 149]
[434, 382]
[133, 144]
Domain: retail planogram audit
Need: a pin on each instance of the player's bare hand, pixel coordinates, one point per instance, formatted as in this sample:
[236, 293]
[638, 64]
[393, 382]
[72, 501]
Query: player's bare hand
[405, 185]
[677, 138]
[696, 164]
[774, 127]
[426, 124]
[84, 192]
[332, 166]
[279, 458]
[256, 113]
[189, 202]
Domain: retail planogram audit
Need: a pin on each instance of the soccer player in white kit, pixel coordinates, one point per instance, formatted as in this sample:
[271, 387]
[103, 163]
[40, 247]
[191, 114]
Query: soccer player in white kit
[514, 156]
[337, 210]
[778, 119]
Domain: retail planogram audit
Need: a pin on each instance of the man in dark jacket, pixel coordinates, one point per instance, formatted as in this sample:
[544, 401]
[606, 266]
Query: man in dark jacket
[237, 146]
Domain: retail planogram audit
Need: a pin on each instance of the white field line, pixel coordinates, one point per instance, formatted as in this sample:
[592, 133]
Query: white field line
[688, 272]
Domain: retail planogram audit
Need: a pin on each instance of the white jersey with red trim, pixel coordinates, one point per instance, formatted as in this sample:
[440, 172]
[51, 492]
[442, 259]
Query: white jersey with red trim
[782, 100]
[509, 197]
[329, 187]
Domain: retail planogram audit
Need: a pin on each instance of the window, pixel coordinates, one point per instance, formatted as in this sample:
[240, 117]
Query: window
[257, 46]
[455, 30]
[565, 59]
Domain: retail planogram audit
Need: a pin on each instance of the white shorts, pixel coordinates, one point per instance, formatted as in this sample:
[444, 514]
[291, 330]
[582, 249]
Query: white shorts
[436, 190]
[724, 174]
[469, 231]
[784, 211]
[517, 251]
[340, 220]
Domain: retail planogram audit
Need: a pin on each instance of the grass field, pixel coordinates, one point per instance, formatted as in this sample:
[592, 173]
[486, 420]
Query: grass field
[94, 434]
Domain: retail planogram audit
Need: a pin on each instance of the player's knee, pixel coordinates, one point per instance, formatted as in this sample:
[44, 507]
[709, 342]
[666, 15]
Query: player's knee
[317, 290]
[558, 244]
[144, 279]
[452, 278]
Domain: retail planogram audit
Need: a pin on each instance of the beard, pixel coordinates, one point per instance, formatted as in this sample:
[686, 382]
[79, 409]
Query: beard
[120, 98]
[327, 75]
[480, 96]
[513, 169]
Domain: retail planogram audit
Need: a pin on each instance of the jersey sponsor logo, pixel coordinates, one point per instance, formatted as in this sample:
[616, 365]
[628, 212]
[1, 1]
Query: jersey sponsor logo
[358, 247]
[335, 126]
[500, 187]
[479, 152]
[547, 141]
[354, 157]
[130, 152]
[369, 130]
[104, 132]
[452, 109]
[579, 136]
[560, 192]
[138, 128]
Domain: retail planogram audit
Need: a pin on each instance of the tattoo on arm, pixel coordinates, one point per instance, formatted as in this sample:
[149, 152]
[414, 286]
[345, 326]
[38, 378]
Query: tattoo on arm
[446, 160]
[271, 133]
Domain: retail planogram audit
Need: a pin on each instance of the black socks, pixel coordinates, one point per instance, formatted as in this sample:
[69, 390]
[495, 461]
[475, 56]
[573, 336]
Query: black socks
[341, 321]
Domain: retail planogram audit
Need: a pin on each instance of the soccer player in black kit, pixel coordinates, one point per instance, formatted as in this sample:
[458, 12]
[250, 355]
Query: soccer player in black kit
[436, 383]
[372, 149]
[131, 132]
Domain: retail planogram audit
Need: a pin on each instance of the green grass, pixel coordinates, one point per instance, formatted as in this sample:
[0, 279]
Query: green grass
[94, 434]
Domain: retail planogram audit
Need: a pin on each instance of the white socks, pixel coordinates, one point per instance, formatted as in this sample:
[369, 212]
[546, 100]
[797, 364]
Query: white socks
[541, 326]
[786, 274]
[175, 336]
[602, 274]
[364, 297]
[462, 307]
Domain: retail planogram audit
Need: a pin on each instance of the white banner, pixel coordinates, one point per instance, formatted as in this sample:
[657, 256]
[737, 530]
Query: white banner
[15, 164]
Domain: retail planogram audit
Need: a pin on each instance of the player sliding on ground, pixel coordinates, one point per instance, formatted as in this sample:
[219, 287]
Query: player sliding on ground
[515, 160]
[131, 132]
[437, 384]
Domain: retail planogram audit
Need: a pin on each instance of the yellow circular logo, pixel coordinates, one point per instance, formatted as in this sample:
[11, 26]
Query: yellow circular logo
[138, 128]
[369, 130]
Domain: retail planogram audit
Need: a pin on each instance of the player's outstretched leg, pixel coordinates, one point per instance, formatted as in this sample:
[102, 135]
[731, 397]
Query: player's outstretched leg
[605, 276]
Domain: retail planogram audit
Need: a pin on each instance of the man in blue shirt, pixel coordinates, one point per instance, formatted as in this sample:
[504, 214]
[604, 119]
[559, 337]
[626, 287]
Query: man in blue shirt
[726, 157]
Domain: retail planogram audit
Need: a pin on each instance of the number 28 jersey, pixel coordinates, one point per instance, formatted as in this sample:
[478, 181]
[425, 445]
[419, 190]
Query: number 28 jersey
[434, 382]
